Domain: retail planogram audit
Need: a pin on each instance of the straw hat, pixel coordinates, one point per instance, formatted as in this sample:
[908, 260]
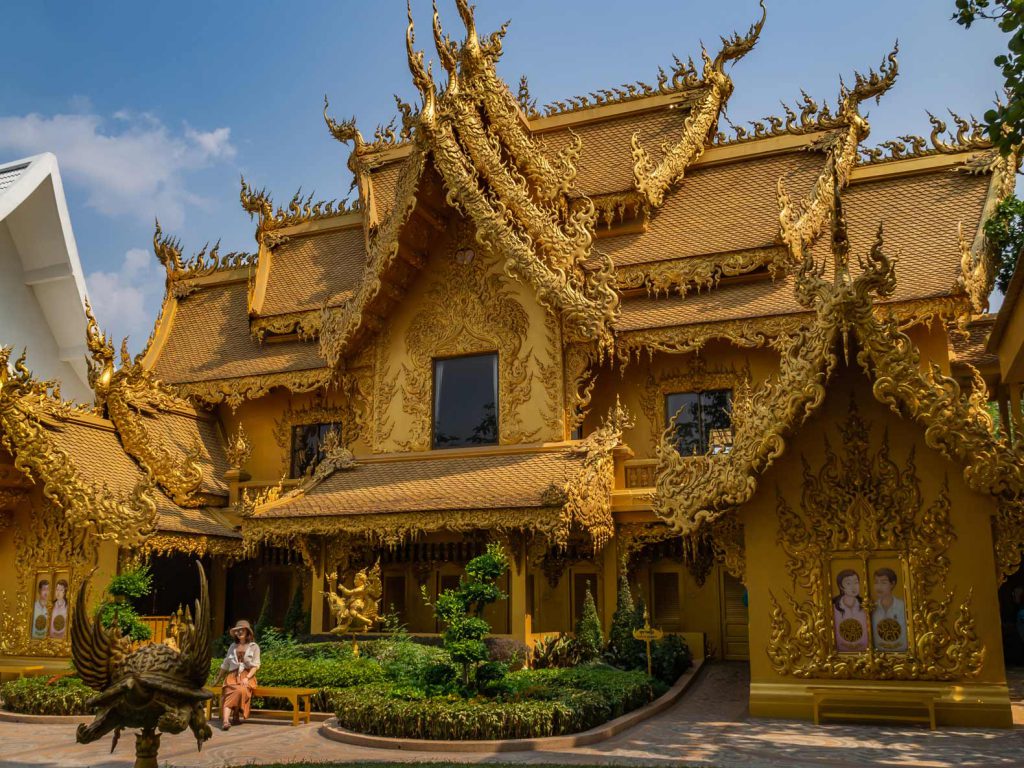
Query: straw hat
[242, 624]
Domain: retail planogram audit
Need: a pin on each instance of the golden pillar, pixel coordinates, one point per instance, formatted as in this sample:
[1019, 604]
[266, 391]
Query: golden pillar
[518, 617]
[316, 596]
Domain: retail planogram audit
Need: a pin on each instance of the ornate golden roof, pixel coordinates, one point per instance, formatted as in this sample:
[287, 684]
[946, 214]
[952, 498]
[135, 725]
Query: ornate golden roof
[78, 459]
[553, 489]
[695, 491]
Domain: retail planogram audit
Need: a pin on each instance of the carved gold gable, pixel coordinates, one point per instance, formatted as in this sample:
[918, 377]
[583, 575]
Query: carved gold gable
[861, 511]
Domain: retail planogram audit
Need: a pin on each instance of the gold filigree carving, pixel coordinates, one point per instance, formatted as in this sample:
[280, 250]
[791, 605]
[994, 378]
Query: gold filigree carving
[469, 309]
[28, 412]
[236, 391]
[1008, 538]
[654, 181]
[802, 223]
[699, 272]
[239, 449]
[47, 542]
[192, 545]
[316, 411]
[588, 496]
[580, 379]
[861, 504]
[131, 397]
[696, 378]
[500, 179]
[298, 211]
[205, 262]
[694, 490]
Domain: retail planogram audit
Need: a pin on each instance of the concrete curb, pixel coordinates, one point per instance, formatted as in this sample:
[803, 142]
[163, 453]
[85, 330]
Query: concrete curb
[331, 730]
[18, 717]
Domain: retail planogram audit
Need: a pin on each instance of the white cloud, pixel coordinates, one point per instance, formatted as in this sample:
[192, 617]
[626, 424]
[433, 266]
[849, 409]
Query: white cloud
[126, 302]
[137, 167]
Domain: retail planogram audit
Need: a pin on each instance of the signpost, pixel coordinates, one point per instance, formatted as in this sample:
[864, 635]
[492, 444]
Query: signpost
[647, 633]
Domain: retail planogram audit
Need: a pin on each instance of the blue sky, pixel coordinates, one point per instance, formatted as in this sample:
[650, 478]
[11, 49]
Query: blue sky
[155, 109]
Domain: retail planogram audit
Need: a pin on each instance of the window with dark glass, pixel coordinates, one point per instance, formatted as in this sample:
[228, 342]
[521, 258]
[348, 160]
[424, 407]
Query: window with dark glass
[308, 446]
[667, 609]
[701, 421]
[466, 401]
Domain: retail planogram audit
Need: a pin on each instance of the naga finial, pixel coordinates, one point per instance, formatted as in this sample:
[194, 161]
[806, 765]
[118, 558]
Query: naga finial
[736, 47]
[345, 130]
[101, 353]
[167, 249]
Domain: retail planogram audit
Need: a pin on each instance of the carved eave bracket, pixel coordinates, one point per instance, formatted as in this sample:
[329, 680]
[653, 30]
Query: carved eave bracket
[652, 181]
[694, 491]
[29, 411]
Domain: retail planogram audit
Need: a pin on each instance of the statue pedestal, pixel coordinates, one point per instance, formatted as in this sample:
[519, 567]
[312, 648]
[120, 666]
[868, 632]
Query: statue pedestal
[147, 744]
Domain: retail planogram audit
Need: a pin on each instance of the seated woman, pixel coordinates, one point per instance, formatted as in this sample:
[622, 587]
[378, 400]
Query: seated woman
[238, 672]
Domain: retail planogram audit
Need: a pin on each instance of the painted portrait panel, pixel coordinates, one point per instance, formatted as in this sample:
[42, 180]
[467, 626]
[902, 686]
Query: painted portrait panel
[849, 612]
[41, 605]
[889, 605]
[59, 606]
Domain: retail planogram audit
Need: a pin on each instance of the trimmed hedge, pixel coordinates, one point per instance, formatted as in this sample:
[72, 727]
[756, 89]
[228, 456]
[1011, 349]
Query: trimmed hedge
[46, 696]
[540, 703]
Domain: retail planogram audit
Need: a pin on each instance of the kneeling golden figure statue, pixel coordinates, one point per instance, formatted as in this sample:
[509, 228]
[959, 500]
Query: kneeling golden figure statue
[153, 687]
[356, 609]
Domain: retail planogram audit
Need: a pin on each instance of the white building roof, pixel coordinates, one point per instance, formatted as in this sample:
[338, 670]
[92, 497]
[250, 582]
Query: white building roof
[34, 214]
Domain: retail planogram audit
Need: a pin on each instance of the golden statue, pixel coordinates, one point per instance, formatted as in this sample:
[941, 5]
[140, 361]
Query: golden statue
[153, 687]
[356, 609]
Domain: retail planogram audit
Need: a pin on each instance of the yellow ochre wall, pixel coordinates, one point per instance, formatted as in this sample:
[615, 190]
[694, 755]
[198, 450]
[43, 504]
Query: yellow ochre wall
[38, 541]
[979, 701]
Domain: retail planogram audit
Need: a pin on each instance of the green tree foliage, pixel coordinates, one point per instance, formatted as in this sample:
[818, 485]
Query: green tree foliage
[589, 637]
[1004, 231]
[263, 621]
[116, 608]
[623, 649]
[460, 609]
[1005, 122]
[296, 620]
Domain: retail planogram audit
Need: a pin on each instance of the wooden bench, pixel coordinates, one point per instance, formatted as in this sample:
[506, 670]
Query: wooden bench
[20, 670]
[855, 703]
[297, 696]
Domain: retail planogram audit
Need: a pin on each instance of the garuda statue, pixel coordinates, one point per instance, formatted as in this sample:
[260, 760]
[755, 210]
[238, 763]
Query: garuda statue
[153, 687]
[356, 609]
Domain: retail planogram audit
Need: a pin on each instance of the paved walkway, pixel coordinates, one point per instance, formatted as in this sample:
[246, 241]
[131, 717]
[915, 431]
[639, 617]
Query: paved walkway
[708, 727]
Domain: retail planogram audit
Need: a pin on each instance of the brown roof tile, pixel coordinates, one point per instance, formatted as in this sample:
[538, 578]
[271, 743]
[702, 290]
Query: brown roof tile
[719, 208]
[972, 350]
[435, 482]
[920, 214]
[311, 271]
[210, 339]
[179, 433]
[385, 183]
[606, 161]
[99, 458]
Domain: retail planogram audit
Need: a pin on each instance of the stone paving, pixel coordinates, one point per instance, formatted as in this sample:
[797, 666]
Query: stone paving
[708, 727]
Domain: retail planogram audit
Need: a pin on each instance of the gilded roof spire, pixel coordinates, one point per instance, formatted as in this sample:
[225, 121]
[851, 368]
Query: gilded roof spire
[652, 181]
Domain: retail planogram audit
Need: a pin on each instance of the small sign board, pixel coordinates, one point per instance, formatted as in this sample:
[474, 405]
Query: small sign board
[646, 634]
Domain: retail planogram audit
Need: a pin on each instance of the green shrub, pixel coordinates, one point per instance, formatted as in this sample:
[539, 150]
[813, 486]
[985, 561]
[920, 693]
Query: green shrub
[46, 696]
[296, 620]
[555, 651]
[404, 661]
[624, 650]
[589, 638]
[263, 620]
[116, 608]
[460, 611]
[531, 703]
[670, 657]
[508, 650]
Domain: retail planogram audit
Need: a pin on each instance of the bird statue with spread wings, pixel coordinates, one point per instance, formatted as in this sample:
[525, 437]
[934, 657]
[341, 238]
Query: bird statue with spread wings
[153, 687]
[356, 609]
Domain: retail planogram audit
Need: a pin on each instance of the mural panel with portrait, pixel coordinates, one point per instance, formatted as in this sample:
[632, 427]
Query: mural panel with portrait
[59, 608]
[41, 605]
[889, 630]
[849, 610]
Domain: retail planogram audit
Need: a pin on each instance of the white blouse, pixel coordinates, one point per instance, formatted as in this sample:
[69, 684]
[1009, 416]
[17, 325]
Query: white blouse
[250, 659]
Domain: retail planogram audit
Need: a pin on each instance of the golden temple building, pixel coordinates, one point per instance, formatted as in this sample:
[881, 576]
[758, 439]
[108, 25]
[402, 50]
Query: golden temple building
[746, 370]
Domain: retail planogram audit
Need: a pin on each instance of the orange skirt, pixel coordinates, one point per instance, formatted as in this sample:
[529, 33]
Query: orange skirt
[237, 695]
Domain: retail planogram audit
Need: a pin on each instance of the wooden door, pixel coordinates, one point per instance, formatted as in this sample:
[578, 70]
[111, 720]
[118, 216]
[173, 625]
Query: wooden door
[735, 632]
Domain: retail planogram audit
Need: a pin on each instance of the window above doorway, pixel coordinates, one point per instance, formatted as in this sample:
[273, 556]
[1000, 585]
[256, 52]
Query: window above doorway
[465, 401]
[701, 421]
[308, 446]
